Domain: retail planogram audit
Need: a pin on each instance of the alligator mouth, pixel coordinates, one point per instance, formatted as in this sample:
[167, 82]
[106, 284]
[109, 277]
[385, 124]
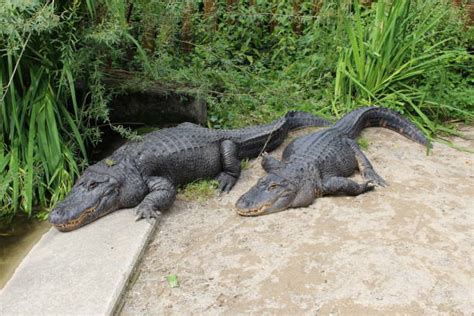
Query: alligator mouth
[77, 222]
[254, 211]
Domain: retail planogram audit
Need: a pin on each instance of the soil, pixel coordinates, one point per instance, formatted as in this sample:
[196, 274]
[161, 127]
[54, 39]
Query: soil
[403, 249]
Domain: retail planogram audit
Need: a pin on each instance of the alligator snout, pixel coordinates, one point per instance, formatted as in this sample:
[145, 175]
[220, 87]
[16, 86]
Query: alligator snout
[243, 203]
[246, 206]
[57, 216]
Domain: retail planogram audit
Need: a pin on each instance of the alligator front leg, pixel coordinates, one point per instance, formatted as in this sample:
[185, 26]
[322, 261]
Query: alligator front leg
[341, 185]
[365, 167]
[161, 195]
[230, 165]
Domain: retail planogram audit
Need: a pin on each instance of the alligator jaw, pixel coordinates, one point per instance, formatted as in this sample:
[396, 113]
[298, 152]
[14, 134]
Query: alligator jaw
[254, 211]
[77, 222]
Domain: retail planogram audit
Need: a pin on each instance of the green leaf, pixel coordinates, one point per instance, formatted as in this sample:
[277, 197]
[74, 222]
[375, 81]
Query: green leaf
[109, 162]
[172, 280]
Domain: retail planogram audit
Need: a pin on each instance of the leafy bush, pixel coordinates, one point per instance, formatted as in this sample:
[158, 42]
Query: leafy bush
[43, 120]
[402, 55]
[253, 60]
[40, 135]
[250, 60]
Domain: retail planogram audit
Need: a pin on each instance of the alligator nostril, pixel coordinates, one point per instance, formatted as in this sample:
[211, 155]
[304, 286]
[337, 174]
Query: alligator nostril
[56, 214]
[242, 202]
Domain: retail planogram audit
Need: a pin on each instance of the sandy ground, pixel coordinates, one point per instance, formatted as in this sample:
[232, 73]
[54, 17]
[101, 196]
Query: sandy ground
[403, 249]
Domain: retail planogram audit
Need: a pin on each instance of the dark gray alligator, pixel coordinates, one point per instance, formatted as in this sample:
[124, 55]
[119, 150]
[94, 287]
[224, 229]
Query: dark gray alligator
[145, 173]
[319, 163]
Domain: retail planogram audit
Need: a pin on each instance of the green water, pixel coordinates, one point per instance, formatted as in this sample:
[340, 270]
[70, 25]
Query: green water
[16, 242]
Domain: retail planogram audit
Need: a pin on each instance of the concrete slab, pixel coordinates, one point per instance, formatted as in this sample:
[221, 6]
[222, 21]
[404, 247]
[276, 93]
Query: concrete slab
[80, 272]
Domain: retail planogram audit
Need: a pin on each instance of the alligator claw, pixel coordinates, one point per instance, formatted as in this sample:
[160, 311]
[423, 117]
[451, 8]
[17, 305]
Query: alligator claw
[373, 177]
[226, 182]
[380, 181]
[148, 214]
[369, 185]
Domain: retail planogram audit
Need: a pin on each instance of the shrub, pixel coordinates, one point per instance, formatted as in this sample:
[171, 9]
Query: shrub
[405, 55]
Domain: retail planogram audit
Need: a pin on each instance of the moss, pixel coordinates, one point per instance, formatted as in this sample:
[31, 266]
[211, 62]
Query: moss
[146, 129]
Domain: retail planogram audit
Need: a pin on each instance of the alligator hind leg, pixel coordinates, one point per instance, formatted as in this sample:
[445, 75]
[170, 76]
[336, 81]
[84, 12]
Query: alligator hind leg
[341, 185]
[365, 167]
[230, 166]
[161, 195]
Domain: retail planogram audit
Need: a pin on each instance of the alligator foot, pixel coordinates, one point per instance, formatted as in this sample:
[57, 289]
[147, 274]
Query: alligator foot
[161, 196]
[372, 176]
[365, 167]
[148, 214]
[230, 166]
[368, 186]
[226, 182]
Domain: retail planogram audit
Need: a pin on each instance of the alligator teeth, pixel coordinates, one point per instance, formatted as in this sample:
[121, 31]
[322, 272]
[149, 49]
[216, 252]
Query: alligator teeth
[253, 212]
[250, 213]
[75, 223]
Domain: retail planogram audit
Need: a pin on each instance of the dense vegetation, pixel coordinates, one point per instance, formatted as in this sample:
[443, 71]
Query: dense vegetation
[250, 60]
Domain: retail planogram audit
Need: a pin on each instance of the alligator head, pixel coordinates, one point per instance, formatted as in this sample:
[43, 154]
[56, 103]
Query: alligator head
[272, 193]
[283, 187]
[99, 191]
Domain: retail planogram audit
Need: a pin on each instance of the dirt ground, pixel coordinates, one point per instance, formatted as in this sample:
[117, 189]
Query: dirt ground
[403, 249]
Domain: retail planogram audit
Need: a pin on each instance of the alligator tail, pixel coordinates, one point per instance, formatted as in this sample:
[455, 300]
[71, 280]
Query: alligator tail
[354, 122]
[299, 119]
[256, 139]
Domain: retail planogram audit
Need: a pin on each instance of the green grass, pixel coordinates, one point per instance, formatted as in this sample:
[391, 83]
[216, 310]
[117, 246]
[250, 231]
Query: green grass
[363, 143]
[200, 191]
[395, 51]
[245, 164]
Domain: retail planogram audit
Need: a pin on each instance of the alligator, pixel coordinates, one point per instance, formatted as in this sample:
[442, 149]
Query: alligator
[320, 163]
[146, 173]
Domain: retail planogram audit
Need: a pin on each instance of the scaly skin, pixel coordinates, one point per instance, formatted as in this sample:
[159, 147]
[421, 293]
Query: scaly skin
[319, 163]
[145, 173]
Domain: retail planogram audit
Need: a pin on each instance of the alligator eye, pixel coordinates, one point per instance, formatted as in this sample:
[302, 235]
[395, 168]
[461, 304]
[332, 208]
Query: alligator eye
[92, 185]
[272, 186]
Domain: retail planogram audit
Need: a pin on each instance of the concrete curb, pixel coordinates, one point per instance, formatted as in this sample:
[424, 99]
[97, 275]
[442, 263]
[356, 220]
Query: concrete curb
[80, 272]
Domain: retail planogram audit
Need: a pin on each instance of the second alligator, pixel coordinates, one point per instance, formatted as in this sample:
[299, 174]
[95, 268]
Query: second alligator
[319, 163]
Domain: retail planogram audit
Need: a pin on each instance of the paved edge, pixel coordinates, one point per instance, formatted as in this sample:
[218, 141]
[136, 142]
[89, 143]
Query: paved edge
[82, 272]
[132, 274]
